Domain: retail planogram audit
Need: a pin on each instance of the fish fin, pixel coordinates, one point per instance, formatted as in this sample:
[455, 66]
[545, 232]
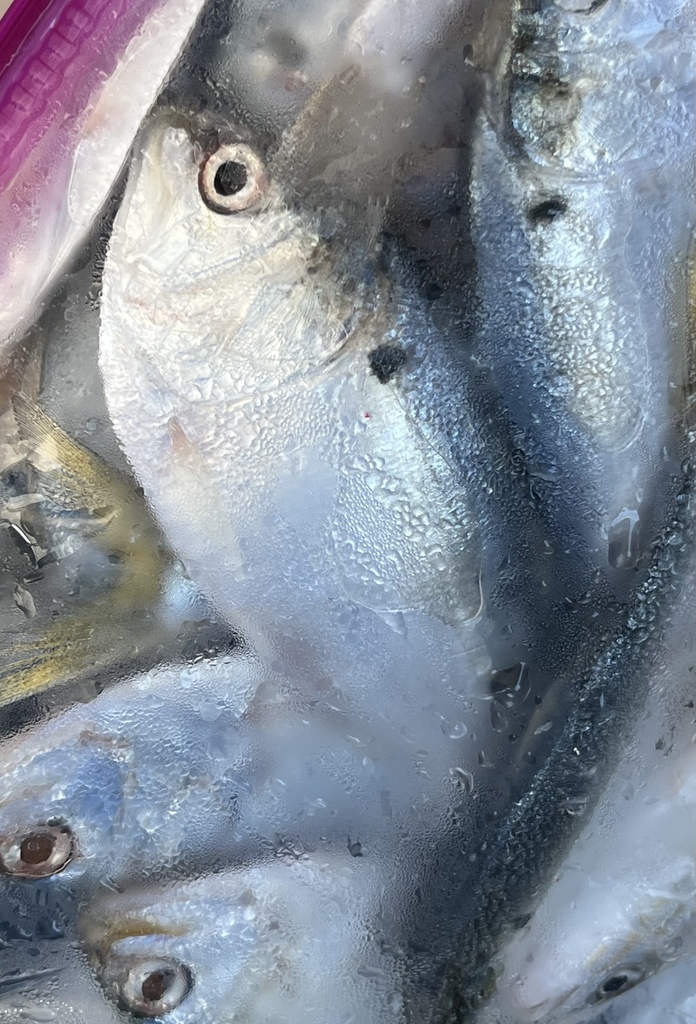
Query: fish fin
[77, 477]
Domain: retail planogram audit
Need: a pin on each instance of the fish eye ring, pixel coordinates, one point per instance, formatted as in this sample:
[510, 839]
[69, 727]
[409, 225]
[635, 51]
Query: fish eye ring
[38, 852]
[232, 179]
[148, 987]
[620, 980]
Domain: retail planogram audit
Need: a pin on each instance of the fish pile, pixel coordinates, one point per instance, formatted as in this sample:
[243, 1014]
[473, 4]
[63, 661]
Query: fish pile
[347, 504]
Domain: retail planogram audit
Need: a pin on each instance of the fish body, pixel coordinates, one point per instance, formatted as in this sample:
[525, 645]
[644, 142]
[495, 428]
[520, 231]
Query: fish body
[267, 398]
[217, 763]
[70, 105]
[616, 928]
[581, 232]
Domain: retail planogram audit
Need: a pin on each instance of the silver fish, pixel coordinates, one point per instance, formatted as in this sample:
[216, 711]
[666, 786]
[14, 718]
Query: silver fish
[266, 398]
[293, 939]
[581, 231]
[622, 906]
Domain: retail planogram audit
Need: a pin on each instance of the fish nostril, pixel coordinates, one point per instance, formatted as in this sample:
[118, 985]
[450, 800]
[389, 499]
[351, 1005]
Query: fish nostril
[230, 178]
[547, 211]
[621, 981]
[42, 852]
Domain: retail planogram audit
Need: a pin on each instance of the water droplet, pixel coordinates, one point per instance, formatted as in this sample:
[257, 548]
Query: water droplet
[498, 719]
[463, 779]
[543, 728]
[454, 730]
[484, 760]
[575, 806]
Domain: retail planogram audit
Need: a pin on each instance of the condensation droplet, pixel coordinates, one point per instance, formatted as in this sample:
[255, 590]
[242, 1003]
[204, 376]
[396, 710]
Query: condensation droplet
[463, 779]
[498, 719]
[454, 730]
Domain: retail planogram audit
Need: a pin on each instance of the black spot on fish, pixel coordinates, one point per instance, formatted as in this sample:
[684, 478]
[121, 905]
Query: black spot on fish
[547, 211]
[385, 361]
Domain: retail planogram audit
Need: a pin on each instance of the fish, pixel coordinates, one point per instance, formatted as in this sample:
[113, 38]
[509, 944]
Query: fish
[581, 237]
[285, 414]
[71, 102]
[620, 910]
[192, 768]
[568, 324]
[293, 938]
[623, 905]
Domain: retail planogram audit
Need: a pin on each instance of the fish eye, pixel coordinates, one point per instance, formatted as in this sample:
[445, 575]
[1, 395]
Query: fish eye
[618, 981]
[38, 853]
[232, 179]
[150, 987]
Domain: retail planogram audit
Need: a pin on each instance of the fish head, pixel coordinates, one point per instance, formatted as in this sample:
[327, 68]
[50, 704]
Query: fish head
[59, 801]
[622, 907]
[131, 780]
[207, 249]
[279, 941]
[252, 352]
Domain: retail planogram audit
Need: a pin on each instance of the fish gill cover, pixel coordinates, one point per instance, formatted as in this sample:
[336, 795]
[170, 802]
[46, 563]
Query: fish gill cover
[347, 512]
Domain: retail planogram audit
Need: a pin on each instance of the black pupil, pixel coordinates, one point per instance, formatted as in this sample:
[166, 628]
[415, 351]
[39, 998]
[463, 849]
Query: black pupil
[230, 178]
[614, 984]
[156, 985]
[37, 848]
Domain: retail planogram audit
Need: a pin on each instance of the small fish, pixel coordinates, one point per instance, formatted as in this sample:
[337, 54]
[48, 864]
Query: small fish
[293, 940]
[198, 767]
[619, 907]
[71, 103]
[252, 370]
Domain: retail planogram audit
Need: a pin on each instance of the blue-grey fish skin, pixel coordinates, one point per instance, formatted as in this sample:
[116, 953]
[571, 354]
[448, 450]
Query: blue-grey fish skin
[596, 405]
[199, 767]
[583, 200]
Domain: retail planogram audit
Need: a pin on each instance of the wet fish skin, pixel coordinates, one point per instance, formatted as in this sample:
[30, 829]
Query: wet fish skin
[292, 938]
[96, 769]
[282, 391]
[625, 898]
[224, 762]
[581, 231]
